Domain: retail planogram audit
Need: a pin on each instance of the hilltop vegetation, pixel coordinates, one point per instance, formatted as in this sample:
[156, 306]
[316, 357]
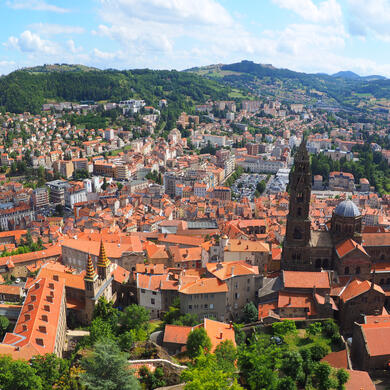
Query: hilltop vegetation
[338, 90]
[27, 90]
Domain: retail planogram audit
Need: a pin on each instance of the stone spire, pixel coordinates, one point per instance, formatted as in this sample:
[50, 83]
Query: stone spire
[103, 260]
[90, 275]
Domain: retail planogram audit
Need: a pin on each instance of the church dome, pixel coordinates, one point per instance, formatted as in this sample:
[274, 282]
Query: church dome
[347, 208]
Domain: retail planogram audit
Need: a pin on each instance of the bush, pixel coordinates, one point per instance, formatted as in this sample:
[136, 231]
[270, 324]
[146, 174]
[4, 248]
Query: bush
[284, 327]
[318, 351]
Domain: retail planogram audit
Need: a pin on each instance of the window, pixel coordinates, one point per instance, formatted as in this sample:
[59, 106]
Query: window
[318, 263]
[189, 307]
[346, 270]
[154, 292]
[297, 234]
[206, 306]
[299, 211]
[152, 301]
[211, 305]
[357, 270]
[142, 291]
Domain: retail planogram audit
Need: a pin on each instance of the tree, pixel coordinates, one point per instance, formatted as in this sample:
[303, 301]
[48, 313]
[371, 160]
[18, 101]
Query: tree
[321, 376]
[100, 330]
[286, 383]
[134, 317]
[205, 374]
[314, 329]
[152, 380]
[106, 311]
[284, 327]
[18, 375]
[106, 369]
[197, 342]
[250, 313]
[104, 185]
[342, 377]
[4, 323]
[226, 355]
[50, 369]
[292, 364]
[261, 185]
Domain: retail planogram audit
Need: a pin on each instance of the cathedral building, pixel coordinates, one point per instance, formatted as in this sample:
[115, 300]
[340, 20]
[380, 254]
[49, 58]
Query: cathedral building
[338, 248]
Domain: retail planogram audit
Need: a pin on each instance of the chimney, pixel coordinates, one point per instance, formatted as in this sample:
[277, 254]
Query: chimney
[230, 324]
[220, 335]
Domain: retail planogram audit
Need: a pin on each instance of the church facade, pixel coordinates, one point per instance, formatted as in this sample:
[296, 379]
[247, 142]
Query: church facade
[338, 248]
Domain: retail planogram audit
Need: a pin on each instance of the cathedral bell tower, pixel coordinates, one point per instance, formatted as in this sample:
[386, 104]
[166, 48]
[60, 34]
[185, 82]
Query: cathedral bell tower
[103, 264]
[296, 252]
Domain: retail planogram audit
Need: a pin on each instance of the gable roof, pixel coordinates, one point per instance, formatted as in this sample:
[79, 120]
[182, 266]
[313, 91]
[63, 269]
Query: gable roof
[374, 335]
[301, 279]
[359, 380]
[176, 334]
[357, 287]
[204, 286]
[348, 246]
[229, 269]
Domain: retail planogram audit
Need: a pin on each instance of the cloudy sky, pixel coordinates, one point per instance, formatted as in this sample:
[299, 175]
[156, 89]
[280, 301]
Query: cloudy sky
[304, 35]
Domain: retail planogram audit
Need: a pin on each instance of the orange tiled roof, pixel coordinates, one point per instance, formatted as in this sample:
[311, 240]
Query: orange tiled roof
[374, 335]
[299, 279]
[177, 334]
[31, 326]
[347, 247]
[358, 287]
[204, 286]
[228, 270]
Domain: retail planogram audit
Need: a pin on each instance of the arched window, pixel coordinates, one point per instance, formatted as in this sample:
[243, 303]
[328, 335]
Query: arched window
[346, 270]
[318, 263]
[299, 197]
[299, 211]
[357, 270]
[297, 234]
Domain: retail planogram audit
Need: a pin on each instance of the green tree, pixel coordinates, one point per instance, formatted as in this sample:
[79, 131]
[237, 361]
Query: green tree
[286, 383]
[292, 364]
[134, 317]
[100, 330]
[18, 375]
[152, 380]
[106, 311]
[322, 373]
[198, 341]
[260, 187]
[206, 374]
[284, 327]
[314, 329]
[50, 369]
[226, 355]
[342, 378]
[106, 368]
[4, 323]
[250, 313]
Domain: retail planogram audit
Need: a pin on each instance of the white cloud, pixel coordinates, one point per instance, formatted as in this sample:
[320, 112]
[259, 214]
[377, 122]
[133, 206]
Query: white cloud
[33, 43]
[35, 5]
[72, 47]
[55, 29]
[367, 17]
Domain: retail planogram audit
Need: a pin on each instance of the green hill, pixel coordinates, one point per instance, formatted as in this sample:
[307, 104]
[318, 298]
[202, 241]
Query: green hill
[266, 80]
[28, 89]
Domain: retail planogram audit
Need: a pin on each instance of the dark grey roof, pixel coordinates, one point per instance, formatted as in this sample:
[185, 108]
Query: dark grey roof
[347, 209]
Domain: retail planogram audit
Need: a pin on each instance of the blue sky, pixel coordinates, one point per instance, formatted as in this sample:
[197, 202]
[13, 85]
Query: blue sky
[304, 35]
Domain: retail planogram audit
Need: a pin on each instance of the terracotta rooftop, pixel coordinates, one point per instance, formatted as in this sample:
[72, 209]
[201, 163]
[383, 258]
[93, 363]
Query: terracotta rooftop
[359, 380]
[227, 270]
[298, 279]
[358, 287]
[204, 286]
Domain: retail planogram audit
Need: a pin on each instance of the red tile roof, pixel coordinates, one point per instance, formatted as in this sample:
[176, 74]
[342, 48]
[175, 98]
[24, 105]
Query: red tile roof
[359, 380]
[337, 359]
[358, 287]
[227, 270]
[176, 334]
[374, 335]
[347, 247]
[298, 279]
[204, 286]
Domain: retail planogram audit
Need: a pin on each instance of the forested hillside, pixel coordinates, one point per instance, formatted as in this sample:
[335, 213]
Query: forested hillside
[27, 90]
